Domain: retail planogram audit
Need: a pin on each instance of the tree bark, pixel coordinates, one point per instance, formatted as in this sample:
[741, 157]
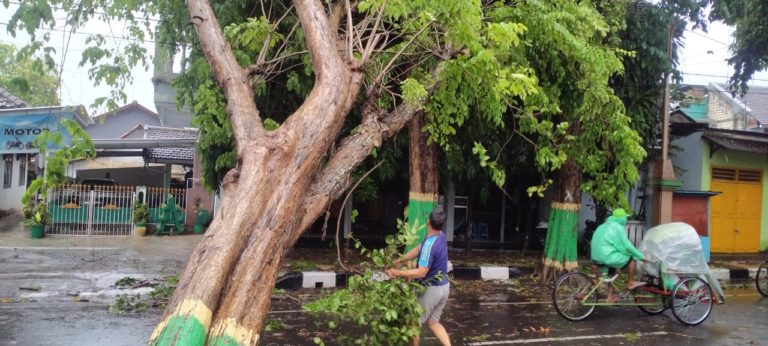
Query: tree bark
[422, 164]
[560, 249]
[225, 290]
[277, 190]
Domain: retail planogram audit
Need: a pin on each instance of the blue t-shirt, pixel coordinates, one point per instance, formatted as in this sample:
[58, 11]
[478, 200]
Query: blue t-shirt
[433, 253]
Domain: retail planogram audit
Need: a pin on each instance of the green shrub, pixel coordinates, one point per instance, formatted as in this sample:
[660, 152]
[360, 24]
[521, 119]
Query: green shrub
[388, 310]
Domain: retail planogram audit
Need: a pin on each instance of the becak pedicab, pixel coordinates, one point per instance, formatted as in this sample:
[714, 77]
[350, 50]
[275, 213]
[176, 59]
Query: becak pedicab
[675, 273]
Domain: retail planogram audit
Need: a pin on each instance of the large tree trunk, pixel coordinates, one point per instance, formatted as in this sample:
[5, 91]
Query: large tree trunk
[422, 163]
[277, 190]
[562, 232]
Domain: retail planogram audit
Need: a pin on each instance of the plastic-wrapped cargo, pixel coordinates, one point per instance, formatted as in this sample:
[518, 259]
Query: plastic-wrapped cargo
[678, 248]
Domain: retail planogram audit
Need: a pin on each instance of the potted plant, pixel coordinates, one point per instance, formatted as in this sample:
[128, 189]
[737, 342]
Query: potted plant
[140, 218]
[202, 220]
[36, 219]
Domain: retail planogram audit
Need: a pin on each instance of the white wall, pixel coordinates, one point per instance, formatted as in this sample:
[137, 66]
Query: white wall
[10, 198]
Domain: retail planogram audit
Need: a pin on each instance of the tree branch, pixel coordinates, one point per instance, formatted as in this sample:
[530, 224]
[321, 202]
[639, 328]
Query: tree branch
[319, 38]
[233, 80]
[343, 206]
[335, 177]
[384, 71]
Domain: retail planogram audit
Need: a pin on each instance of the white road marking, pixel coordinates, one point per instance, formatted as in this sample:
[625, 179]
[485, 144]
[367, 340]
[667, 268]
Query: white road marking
[567, 338]
[518, 303]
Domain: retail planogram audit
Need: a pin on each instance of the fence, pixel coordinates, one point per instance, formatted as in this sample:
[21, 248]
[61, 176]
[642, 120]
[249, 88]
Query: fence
[156, 198]
[635, 231]
[93, 210]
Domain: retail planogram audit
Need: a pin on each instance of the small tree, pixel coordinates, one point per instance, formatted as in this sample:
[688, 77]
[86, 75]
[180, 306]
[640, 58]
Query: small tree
[32, 79]
[79, 146]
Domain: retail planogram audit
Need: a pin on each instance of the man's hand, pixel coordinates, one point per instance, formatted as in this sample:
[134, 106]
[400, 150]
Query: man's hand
[392, 273]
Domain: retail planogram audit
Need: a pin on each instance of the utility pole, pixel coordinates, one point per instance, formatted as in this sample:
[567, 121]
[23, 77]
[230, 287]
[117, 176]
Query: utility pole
[664, 181]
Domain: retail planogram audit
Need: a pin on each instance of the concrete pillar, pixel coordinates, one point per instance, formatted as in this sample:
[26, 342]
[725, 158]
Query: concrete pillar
[503, 217]
[167, 179]
[450, 196]
[665, 184]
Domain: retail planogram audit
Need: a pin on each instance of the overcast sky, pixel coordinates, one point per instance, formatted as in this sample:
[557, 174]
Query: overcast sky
[702, 61]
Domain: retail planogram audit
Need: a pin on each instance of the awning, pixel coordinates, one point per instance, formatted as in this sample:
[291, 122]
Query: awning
[740, 141]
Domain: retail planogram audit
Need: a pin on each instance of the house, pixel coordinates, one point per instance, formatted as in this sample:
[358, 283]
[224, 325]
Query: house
[694, 101]
[737, 112]
[120, 122]
[731, 168]
[19, 125]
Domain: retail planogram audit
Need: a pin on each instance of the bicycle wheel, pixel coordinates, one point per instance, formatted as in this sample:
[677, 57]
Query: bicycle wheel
[761, 279]
[652, 309]
[691, 300]
[569, 296]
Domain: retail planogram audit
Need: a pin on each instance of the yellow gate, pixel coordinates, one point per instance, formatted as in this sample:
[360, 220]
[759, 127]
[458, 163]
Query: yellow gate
[736, 211]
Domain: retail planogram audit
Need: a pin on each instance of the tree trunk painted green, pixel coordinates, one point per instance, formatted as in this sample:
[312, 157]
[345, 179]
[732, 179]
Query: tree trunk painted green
[560, 247]
[422, 197]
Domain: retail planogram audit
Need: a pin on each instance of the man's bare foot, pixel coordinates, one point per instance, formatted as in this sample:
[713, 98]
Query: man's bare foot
[612, 299]
[634, 284]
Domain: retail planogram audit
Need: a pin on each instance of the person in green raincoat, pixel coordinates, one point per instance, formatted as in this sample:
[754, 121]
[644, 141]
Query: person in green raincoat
[611, 248]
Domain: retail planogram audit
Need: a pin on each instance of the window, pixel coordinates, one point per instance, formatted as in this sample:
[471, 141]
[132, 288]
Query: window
[22, 168]
[8, 171]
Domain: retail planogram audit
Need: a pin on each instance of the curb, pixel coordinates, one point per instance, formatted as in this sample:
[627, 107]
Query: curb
[328, 279]
[737, 274]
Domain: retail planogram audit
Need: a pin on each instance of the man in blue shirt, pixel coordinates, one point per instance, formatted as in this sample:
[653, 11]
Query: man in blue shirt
[432, 271]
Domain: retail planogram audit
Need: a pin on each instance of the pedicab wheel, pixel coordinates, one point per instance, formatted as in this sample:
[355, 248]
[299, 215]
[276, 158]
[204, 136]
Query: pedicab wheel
[761, 279]
[569, 295]
[652, 309]
[692, 300]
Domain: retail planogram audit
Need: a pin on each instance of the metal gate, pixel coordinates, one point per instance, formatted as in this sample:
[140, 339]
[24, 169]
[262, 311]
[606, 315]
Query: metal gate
[90, 210]
[95, 210]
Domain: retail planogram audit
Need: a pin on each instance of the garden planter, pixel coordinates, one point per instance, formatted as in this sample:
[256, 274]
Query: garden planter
[37, 231]
[139, 229]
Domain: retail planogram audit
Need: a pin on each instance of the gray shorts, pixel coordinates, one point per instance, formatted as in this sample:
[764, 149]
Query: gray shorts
[433, 301]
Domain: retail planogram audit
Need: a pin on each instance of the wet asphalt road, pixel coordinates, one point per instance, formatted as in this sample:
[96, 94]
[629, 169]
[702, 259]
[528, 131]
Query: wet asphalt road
[743, 320]
[479, 313]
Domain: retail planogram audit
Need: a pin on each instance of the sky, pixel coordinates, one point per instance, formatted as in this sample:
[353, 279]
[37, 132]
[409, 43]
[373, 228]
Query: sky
[76, 88]
[703, 60]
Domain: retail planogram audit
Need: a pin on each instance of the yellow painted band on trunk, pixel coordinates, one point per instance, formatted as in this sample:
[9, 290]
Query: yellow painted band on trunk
[548, 262]
[190, 307]
[422, 197]
[229, 328]
[566, 206]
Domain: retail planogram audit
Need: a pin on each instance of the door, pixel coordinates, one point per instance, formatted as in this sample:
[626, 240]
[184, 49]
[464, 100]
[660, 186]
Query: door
[736, 211]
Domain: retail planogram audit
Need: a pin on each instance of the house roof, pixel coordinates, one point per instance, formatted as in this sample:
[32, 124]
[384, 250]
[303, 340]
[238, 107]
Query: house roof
[183, 155]
[680, 115]
[755, 100]
[747, 141]
[8, 100]
[697, 111]
[132, 105]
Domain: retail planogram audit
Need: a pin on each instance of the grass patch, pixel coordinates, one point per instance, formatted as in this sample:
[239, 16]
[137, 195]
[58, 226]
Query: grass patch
[302, 265]
[274, 326]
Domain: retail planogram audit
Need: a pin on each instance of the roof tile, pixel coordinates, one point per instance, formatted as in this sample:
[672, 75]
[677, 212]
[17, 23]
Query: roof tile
[8, 100]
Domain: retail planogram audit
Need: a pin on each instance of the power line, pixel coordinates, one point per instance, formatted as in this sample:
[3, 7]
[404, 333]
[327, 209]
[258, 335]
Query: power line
[716, 76]
[707, 37]
[94, 12]
[103, 35]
